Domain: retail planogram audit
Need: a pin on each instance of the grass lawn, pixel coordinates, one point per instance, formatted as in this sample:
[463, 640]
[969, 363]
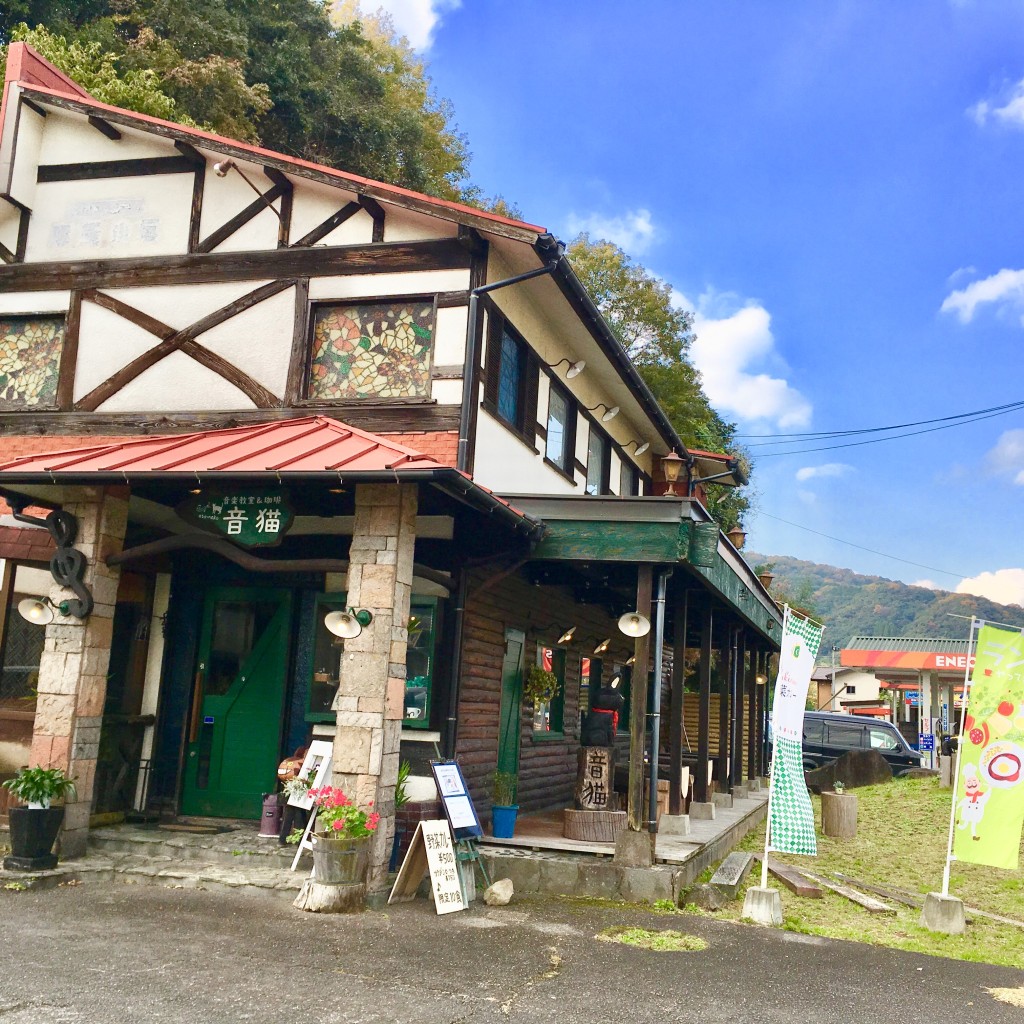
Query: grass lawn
[902, 829]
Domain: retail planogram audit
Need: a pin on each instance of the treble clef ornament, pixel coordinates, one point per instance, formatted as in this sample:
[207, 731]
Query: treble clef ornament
[67, 566]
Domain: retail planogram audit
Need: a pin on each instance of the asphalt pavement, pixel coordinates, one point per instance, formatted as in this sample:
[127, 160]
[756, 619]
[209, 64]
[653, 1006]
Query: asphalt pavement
[104, 952]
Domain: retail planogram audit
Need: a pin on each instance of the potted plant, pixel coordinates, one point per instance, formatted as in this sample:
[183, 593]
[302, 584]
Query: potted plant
[401, 799]
[341, 842]
[504, 807]
[540, 686]
[34, 828]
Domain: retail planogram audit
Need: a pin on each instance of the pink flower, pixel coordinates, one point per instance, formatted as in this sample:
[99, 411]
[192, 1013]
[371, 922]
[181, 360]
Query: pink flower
[371, 821]
[339, 825]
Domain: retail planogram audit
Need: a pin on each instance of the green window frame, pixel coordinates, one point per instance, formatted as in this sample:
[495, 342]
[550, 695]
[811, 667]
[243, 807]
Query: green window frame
[420, 661]
[548, 717]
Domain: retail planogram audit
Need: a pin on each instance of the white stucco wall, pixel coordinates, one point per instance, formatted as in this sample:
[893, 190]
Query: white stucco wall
[106, 342]
[506, 464]
[34, 302]
[368, 286]
[28, 141]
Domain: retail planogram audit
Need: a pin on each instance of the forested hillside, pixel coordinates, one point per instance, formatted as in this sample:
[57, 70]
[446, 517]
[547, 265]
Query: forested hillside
[854, 605]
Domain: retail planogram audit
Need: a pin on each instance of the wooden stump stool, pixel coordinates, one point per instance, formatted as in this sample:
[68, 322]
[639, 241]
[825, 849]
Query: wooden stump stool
[839, 815]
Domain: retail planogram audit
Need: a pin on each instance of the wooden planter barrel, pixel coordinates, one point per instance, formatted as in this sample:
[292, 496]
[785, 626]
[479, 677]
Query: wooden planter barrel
[839, 815]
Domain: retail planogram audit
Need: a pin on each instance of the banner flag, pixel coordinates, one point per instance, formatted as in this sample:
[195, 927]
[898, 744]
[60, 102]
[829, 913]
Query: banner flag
[989, 800]
[791, 828]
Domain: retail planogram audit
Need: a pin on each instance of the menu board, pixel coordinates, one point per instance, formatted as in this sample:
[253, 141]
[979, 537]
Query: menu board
[455, 798]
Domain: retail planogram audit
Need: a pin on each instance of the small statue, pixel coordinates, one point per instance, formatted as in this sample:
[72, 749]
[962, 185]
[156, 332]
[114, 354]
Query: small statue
[602, 721]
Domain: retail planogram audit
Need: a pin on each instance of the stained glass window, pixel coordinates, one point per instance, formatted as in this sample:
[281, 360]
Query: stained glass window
[30, 348]
[510, 375]
[372, 350]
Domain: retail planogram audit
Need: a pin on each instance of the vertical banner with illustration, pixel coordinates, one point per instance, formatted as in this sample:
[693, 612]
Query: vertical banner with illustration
[989, 800]
[791, 818]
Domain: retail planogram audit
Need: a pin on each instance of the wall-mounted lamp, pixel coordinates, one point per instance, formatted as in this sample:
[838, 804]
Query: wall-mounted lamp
[640, 448]
[39, 610]
[348, 624]
[634, 624]
[760, 679]
[672, 466]
[737, 535]
[221, 169]
[567, 636]
[611, 411]
[575, 369]
[603, 646]
[615, 680]
[631, 660]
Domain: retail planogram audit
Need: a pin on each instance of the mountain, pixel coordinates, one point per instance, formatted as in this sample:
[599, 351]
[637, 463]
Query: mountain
[853, 605]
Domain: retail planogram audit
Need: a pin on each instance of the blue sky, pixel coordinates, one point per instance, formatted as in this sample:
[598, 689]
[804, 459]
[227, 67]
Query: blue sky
[835, 189]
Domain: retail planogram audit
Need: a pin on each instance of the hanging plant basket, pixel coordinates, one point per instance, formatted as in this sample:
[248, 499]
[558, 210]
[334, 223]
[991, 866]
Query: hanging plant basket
[540, 686]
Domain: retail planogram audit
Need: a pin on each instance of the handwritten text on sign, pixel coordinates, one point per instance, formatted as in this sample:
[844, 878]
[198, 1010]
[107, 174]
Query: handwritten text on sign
[444, 868]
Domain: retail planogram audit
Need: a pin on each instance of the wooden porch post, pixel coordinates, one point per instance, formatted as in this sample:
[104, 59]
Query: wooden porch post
[638, 706]
[752, 714]
[675, 771]
[700, 782]
[739, 677]
[726, 683]
[762, 701]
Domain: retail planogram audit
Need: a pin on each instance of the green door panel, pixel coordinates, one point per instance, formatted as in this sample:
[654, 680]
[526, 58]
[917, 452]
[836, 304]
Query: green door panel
[511, 701]
[235, 728]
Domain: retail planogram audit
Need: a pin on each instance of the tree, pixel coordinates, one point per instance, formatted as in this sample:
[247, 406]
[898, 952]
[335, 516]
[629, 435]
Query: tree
[656, 335]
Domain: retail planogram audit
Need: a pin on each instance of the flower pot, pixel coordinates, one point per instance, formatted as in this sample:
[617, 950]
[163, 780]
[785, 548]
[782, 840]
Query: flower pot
[33, 833]
[503, 821]
[340, 861]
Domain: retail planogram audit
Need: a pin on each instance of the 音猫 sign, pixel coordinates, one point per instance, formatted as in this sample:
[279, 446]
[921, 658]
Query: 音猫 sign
[251, 518]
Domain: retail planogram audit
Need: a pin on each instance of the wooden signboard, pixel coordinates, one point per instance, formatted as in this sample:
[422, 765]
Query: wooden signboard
[431, 849]
[455, 798]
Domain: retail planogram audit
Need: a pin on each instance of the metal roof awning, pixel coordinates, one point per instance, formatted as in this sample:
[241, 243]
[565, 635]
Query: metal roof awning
[307, 450]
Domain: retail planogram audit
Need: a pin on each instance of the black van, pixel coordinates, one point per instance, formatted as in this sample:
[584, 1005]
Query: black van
[828, 734]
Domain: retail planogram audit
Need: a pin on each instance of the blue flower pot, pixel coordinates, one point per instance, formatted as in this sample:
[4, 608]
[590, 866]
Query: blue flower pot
[503, 821]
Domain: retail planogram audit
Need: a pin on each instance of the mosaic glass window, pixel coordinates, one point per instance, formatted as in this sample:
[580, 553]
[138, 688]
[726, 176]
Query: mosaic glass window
[30, 348]
[510, 376]
[372, 350]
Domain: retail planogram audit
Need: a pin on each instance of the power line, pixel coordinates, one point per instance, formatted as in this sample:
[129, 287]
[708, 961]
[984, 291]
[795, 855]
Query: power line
[850, 543]
[821, 434]
[875, 440]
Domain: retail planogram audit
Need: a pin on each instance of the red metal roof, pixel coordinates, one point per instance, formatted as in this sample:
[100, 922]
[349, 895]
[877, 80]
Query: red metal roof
[32, 72]
[312, 444]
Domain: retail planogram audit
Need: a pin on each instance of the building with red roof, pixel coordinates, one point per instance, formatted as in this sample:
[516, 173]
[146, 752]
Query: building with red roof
[316, 456]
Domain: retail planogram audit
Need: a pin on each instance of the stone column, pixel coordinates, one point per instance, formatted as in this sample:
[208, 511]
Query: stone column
[76, 654]
[370, 703]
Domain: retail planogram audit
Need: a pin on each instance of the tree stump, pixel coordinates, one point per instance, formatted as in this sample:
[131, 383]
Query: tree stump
[330, 899]
[839, 815]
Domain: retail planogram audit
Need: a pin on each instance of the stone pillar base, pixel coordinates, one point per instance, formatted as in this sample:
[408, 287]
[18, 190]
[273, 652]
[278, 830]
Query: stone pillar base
[943, 914]
[674, 825]
[722, 799]
[634, 849]
[763, 906]
[702, 811]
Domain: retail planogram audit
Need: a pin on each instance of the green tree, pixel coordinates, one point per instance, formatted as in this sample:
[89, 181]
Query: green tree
[656, 335]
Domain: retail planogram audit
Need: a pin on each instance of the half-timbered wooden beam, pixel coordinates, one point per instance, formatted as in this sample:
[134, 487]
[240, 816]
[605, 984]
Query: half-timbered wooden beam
[262, 202]
[195, 216]
[376, 211]
[131, 168]
[24, 213]
[284, 216]
[104, 127]
[218, 267]
[34, 107]
[325, 227]
[172, 340]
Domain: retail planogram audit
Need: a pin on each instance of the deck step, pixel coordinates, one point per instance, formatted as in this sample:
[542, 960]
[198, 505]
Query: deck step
[732, 872]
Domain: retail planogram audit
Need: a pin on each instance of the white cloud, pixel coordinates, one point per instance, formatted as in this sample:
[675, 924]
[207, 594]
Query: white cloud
[728, 350]
[827, 469]
[417, 20]
[927, 584]
[1004, 585]
[1007, 108]
[807, 497]
[1007, 286]
[1006, 458]
[633, 231]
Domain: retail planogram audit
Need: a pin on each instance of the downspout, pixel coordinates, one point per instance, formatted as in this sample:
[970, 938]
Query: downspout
[456, 664]
[469, 388]
[655, 716]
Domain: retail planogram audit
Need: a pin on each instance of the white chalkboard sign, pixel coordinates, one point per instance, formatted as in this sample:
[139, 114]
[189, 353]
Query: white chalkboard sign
[317, 768]
[455, 798]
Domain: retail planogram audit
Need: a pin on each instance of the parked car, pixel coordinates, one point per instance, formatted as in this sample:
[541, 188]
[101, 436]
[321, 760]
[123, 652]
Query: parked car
[828, 735]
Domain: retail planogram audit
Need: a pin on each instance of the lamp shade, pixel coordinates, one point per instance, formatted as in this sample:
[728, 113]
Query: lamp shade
[576, 369]
[35, 610]
[567, 636]
[343, 624]
[634, 624]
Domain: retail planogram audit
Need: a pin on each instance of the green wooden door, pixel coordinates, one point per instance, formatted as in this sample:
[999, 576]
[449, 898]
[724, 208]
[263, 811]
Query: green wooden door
[234, 738]
[511, 701]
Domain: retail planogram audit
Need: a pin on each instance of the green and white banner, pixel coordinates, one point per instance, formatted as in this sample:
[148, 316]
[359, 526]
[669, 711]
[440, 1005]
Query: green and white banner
[791, 818]
[989, 800]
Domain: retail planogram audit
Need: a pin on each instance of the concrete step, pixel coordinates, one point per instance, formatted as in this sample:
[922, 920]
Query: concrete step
[210, 877]
[228, 850]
